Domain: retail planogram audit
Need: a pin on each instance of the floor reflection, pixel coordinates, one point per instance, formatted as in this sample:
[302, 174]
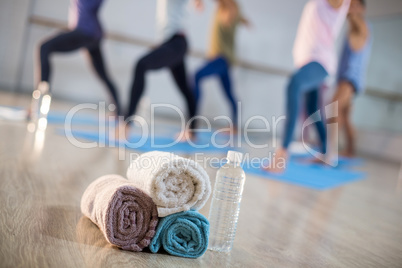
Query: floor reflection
[399, 183]
[34, 140]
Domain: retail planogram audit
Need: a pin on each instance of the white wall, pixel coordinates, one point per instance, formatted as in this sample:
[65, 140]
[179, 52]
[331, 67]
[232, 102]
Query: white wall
[13, 16]
[384, 73]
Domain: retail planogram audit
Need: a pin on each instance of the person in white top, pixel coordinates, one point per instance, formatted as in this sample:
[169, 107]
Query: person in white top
[314, 57]
[170, 54]
[170, 15]
[319, 27]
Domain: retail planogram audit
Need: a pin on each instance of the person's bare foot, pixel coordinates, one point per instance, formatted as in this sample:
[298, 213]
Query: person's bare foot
[318, 161]
[185, 136]
[127, 130]
[347, 153]
[121, 131]
[229, 131]
[329, 160]
[278, 163]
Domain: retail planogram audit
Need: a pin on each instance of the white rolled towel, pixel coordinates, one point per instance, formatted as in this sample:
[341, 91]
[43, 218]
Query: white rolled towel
[175, 183]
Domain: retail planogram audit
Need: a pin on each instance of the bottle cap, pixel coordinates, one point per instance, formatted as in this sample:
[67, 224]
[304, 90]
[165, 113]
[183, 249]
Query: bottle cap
[234, 156]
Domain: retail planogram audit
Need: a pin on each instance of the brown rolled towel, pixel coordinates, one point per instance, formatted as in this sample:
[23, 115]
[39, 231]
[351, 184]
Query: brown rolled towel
[127, 216]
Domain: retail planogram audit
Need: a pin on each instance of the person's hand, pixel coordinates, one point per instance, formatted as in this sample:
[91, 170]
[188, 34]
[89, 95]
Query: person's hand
[246, 23]
[199, 5]
[335, 3]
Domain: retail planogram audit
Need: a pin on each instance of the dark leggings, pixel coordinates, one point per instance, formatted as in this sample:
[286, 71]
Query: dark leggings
[73, 40]
[220, 67]
[305, 82]
[171, 55]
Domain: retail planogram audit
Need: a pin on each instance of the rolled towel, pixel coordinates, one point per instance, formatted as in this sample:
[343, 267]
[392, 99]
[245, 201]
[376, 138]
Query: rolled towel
[183, 234]
[175, 183]
[125, 214]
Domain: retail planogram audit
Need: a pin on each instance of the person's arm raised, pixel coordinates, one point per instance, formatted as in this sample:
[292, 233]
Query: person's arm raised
[357, 24]
[245, 21]
[199, 5]
[358, 32]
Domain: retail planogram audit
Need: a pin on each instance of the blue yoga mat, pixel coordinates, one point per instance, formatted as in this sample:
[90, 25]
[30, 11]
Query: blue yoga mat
[313, 176]
[343, 162]
[58, 118]
[149, 145]
[79, 119]
[300, 154]
[219, 136]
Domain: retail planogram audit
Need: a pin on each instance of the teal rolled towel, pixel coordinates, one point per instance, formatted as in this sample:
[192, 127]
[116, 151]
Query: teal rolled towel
[183, 234]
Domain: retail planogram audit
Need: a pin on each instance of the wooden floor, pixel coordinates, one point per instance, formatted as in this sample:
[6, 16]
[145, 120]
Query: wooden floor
[280, 225]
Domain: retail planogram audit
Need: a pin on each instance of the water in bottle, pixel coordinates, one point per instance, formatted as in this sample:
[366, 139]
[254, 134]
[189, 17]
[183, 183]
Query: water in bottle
[225, 206]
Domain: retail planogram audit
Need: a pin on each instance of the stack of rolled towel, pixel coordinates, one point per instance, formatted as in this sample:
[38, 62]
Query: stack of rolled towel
[155, 207]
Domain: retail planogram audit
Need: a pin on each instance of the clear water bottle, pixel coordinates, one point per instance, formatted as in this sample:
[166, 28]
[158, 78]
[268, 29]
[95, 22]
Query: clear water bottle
[225, 206]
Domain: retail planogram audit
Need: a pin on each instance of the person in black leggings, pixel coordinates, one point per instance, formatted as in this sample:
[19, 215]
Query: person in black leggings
[170, 54]
[86, 32]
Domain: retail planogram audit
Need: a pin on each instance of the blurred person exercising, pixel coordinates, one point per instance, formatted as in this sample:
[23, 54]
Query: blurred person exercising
[221, 52]
[170, 54]
[85, 32]
[315, 57]
[351, 73]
